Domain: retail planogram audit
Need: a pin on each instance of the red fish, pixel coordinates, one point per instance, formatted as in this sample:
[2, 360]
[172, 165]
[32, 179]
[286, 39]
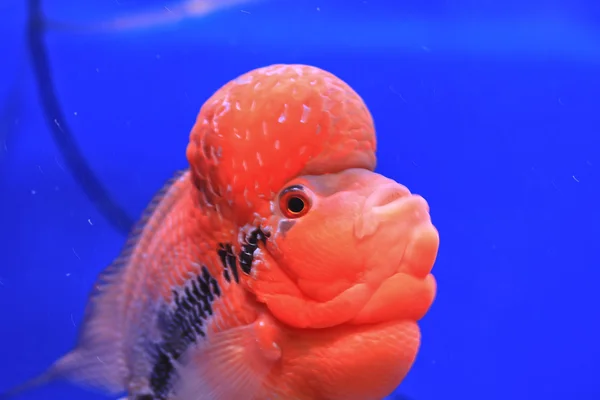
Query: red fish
[279, 266]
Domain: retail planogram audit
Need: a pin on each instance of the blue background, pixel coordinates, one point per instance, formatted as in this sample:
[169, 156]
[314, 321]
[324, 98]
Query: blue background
[489, 109]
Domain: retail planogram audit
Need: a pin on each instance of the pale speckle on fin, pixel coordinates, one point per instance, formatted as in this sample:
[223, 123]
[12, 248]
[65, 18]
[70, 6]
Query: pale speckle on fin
[232, 364]
[99, 358]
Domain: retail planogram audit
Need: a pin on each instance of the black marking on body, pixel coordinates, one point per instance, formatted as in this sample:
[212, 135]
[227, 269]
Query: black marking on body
[229, 262]
[228, 258]
[249, 246]
[183, 322]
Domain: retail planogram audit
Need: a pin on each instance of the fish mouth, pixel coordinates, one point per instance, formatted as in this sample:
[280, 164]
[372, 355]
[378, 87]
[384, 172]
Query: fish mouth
[389, 302]
[404, 291]
[409, 292]
[408, 289]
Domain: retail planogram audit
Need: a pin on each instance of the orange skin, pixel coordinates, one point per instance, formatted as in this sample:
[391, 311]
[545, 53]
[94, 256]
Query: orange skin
[329, 308]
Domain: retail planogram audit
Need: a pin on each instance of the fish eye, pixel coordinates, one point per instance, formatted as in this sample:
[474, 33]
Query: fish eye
[294, 202]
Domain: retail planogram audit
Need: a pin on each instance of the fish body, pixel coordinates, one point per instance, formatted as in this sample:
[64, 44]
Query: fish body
[278, 266]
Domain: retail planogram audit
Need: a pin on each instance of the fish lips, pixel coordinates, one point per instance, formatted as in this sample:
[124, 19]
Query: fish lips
[399, 297]
[406, 293]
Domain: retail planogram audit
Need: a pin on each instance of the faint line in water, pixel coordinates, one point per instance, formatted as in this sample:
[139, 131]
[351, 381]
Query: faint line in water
[397, 94]
[58, 163]
[74, 252]
[575, 179]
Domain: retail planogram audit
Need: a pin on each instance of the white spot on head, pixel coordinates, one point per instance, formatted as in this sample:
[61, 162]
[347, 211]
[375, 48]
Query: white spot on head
[264, 128]
[305, 113]
[268, 71]
[283, 115]
[303, 150]
[226, 106]
[245, 165]
[298, 70]
[277, 144]
[259, 159]
[238, 105]
[248, 203]
[242, 80]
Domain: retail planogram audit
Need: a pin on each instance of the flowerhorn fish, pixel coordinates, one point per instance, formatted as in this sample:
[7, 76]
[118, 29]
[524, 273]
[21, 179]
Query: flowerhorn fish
[279, 266]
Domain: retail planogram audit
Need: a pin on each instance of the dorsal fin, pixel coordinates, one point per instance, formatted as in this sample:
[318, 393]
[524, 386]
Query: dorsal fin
[98, 360]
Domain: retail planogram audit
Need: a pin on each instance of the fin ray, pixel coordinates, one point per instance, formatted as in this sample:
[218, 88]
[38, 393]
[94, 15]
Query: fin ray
[228, 365]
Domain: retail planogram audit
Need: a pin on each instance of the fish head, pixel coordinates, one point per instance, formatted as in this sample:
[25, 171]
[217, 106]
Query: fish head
[290, 150]
[339, 255]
